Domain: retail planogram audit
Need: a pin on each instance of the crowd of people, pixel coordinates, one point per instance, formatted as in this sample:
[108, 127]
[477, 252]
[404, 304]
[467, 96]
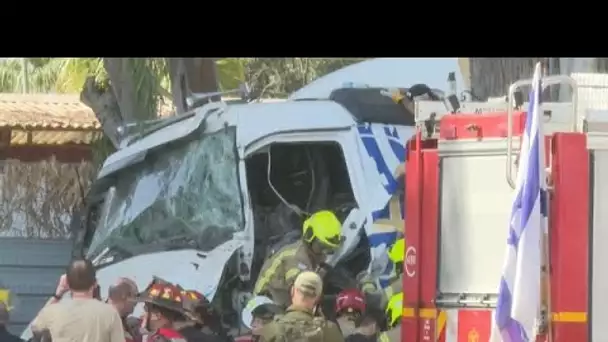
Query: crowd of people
[285, 305]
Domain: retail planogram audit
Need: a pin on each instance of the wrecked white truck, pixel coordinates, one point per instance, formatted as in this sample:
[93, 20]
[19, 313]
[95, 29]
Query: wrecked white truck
[203, 198]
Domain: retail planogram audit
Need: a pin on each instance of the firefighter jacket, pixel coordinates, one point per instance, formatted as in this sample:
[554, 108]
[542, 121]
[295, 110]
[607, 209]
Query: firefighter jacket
[395, 286]
[300, 325]
[280, 270]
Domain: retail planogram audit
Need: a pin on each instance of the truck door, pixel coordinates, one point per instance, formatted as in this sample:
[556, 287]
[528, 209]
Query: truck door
[474, 211]
[291, 175]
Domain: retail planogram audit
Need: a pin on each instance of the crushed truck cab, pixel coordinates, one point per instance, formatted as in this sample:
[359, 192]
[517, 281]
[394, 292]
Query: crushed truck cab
[460, 171]
[220, 191]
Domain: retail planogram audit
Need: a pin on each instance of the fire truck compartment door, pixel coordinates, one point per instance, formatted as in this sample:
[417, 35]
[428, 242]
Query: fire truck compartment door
[475, 206]
[599, 252]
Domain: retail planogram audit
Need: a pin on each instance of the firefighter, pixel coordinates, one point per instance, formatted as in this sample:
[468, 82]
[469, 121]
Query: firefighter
[321, 237]
[163, 306]
[259, 311]
[350, 308]
[394, 312]
[299, 322]
[203, 323]
[396, 255]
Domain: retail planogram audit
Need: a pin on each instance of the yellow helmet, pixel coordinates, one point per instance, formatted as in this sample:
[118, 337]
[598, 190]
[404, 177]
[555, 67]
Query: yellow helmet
[7, 298]
[397, 251]
[325, 227]
[394, 309]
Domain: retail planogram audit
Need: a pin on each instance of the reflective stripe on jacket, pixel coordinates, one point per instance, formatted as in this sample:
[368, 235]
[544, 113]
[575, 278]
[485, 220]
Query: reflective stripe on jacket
[280, 270]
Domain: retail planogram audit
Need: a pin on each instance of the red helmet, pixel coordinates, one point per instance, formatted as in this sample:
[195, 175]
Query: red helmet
[351, 300]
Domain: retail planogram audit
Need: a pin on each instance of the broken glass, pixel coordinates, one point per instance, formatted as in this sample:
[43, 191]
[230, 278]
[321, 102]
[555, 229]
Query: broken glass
[185, 195]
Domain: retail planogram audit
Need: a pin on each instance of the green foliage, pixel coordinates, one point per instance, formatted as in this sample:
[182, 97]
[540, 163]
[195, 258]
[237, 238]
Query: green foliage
[40, 79]
[54, 75]
[147, 74]
[231, 72]
[73, 72]
[271, 77]
[276, 77]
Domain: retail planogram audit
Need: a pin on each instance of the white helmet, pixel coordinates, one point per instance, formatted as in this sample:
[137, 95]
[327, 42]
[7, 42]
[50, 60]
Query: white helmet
[253, 304]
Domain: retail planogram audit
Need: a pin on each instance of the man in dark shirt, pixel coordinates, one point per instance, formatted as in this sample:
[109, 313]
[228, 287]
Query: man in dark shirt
[5, 336]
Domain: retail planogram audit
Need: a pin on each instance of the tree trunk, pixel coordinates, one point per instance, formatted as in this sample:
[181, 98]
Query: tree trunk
[491, 77]
[192, 75]
[102, 101]
[179, 84]
[114, 104]
[123, 84]
[118, 103]
[202, 75]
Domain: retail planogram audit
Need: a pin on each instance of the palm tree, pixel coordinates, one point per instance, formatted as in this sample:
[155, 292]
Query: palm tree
[48, 75]
[39, 79]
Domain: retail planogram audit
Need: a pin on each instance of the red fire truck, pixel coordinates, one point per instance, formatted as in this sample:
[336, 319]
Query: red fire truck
[459, 187]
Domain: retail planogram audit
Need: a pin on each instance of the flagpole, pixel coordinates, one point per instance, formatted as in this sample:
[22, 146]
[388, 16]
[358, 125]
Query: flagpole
[520, 300]
[546, 245]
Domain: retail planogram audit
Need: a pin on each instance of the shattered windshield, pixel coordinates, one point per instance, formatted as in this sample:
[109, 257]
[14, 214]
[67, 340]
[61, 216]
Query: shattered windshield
[186, 195]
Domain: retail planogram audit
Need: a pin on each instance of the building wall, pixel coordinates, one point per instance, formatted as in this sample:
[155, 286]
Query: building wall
[30, 268]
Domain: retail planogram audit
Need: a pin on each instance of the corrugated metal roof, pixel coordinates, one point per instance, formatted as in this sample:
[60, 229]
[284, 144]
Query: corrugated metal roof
[30, 268]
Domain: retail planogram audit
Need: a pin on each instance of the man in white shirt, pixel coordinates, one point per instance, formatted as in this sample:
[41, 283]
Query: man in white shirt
[81, 318]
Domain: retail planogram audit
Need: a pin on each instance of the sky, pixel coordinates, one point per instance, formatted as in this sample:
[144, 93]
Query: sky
[434, 71]
[387, 72]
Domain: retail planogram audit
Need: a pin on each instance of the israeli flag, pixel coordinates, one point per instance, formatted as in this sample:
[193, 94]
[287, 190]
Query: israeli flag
[519, 291]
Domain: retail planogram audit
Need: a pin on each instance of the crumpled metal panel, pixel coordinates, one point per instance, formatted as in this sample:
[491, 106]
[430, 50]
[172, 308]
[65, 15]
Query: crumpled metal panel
[30, 269]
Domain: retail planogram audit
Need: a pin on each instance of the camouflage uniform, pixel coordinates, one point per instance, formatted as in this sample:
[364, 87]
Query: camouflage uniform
[280, 270]
[299, 325]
